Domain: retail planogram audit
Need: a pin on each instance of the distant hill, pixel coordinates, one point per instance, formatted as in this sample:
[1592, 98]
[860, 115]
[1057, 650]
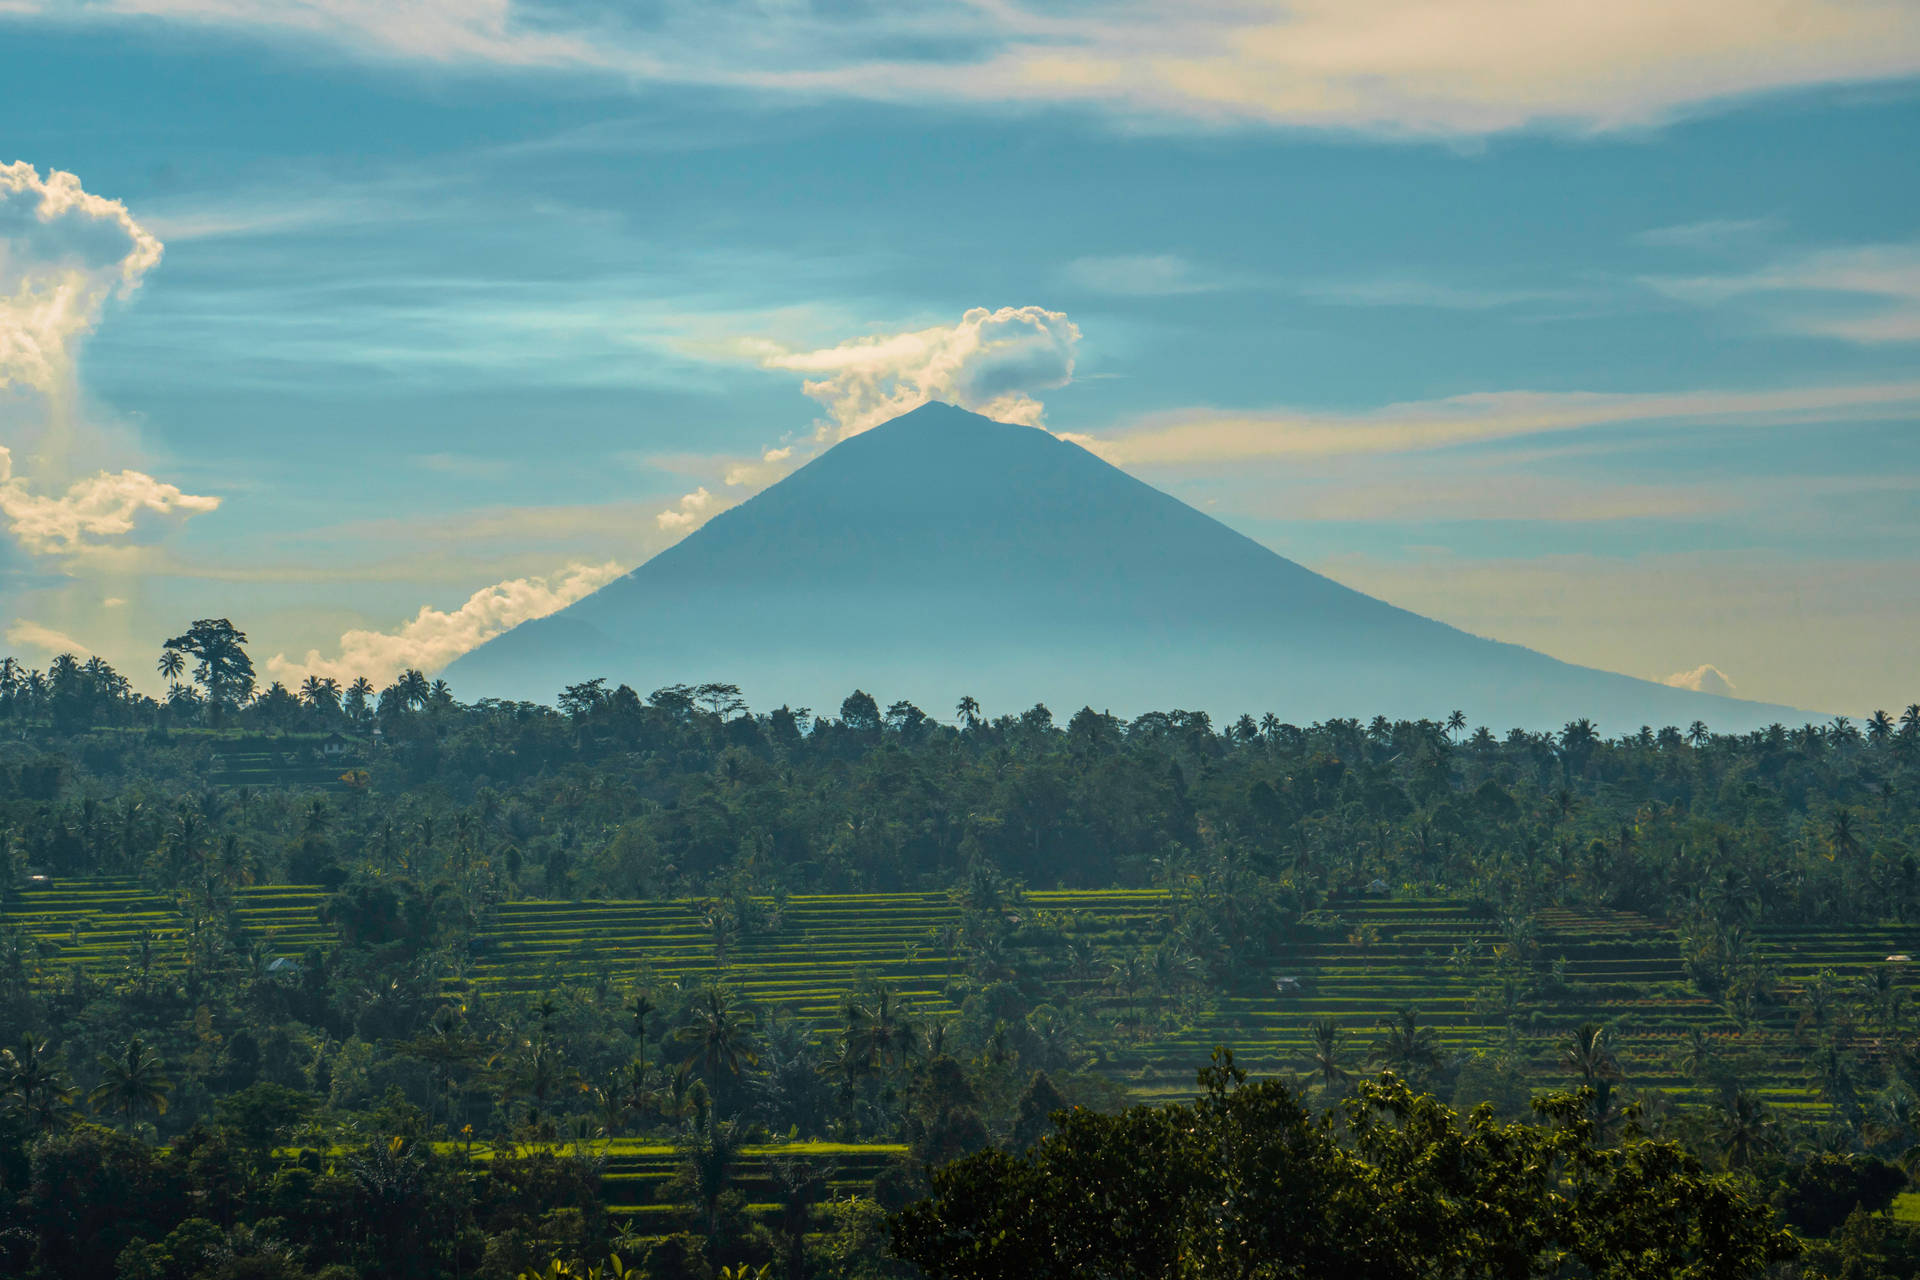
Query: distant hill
[944, 554]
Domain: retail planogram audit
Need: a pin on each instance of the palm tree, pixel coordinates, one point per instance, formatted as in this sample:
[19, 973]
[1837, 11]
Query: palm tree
[1744, 1130]
[1456, 724]
[1126, 976]
[1698, 734]
[1326, 1053]
[1406, 1047]
[716, 1033]
[132, 1082]
[879, 1032]
[415, 692]
[33, 1086]
[968, 711]
[171, 664]
[1587, 1055]
[1879, 728]
[1695, 1054]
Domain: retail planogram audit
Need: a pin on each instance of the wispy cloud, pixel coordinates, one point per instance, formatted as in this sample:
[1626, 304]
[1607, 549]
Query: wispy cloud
[28, 634]
[1140, 276]
[1412, 291]
[1404, 67]
[1868, 294]
[1205, 436]
[1709, 234]
[433, 637]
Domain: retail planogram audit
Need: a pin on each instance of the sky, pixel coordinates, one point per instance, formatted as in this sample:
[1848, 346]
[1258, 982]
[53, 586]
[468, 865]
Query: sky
[380, 328]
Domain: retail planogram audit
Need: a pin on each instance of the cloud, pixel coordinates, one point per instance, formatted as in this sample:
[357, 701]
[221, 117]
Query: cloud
[1705, 678]
[108, 507]
[31, 635]
[433, 637]
[1868, 294]
[1138, 276]
[1207, 435]
[692, 511]
[63, 253]
[1398, 67]
[992, 362]
[1709, 233]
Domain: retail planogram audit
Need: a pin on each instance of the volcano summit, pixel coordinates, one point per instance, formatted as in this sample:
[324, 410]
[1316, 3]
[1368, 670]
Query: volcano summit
[943, 554]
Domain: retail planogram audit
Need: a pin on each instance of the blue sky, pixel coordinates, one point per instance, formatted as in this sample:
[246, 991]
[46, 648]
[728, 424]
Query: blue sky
[1599, 333]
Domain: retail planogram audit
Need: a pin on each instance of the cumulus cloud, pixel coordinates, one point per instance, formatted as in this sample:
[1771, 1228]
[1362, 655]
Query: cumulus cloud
[991, 362]
[691, 512]
[102, 509]
[434, 637]
[63, 253]
[1397, 67]
[31, 635]
[1705, 678]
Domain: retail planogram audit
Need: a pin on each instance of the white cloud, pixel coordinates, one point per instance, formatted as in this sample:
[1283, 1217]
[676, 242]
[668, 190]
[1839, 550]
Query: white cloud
[991, 362]
[105, 508]
[1423, 67]
[1705, 678]
[433, 637]
[63, 253]
[1207, 435]
[692, 511]
[31, 635]
[1868, 294]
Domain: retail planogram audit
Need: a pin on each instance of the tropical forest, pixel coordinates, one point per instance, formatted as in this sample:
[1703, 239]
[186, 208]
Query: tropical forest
[355, 982]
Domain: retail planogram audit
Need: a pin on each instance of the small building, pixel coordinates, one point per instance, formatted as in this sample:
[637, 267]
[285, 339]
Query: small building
[335, 745]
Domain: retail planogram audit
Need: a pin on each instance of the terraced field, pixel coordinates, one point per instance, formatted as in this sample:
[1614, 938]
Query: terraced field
[804, 954]
[634, 1173]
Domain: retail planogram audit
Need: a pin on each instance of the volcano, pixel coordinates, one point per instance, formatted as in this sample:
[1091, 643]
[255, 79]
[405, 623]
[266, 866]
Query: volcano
[945, 554]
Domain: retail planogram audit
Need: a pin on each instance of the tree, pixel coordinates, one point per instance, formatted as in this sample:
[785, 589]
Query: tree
[132, 1082]
[968, 712]
[1744, 1129]
[1406, 1047]
[1326, 1054]
[1245, 1183]
[320, 693]
[415, 692]
[716, 1034]
[1587, 1055]
[222, 667]
[171, 664]
[33, 1086]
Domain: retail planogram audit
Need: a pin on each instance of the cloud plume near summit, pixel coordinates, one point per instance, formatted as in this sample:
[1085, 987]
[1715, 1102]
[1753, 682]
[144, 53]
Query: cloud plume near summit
[991, 363]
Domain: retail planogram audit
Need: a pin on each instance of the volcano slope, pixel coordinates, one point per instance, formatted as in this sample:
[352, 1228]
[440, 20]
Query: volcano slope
[943, 554]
